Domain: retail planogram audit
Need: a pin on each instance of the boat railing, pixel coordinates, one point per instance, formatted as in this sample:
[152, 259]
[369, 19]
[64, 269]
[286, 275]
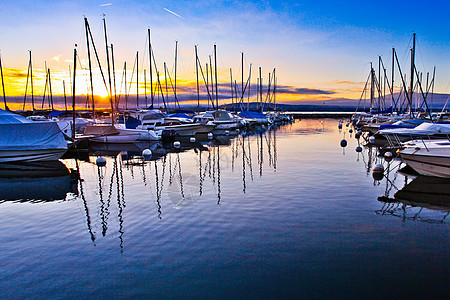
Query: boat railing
[424, 144]
[394, 141]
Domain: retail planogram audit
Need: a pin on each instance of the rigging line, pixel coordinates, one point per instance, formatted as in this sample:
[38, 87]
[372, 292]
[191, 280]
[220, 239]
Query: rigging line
[420, 54]
[407, 50]
[204, 80]
[173, 89]
[81, 39]
[98, 59]
[158, 80]
[132, 73]
[145, 51]
[121, 86]
[100, 32]
[181, 61]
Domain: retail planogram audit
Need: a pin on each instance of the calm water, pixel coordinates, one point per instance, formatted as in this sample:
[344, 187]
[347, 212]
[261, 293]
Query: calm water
[278, 213]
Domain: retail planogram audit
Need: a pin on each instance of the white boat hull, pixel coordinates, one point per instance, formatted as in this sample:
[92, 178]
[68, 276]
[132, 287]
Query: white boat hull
[427, 159]
[428, 165]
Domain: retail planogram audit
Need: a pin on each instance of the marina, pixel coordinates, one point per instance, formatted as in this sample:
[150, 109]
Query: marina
[161, 154]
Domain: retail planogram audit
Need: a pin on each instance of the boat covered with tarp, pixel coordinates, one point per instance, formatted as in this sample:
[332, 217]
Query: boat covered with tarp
[24, 140]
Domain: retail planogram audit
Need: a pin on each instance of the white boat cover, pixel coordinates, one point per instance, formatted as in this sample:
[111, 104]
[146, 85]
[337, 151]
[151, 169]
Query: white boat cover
[425, 128]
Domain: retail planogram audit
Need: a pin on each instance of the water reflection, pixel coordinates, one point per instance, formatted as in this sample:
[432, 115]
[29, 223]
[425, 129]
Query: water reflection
[178, 175]
[209, 198]
[407, 195]
[36, 181]
[421, 194]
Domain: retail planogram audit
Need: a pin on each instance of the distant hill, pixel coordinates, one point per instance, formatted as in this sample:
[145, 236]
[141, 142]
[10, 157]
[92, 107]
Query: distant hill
[295, 107]
[337, 105]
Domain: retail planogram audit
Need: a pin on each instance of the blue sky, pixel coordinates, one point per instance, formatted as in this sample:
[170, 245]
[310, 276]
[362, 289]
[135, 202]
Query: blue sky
[323, 45]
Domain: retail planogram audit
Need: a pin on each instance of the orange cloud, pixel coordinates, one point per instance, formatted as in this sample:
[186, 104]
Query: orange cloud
[348, 82]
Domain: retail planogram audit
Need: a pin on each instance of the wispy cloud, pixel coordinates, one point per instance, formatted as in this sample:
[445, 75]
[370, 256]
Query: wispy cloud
[348, 82]
[175, 14]
[106, 4]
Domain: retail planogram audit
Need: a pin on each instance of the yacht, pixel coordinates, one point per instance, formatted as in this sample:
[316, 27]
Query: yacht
[428, 157]
[159, 121]
[221, 119]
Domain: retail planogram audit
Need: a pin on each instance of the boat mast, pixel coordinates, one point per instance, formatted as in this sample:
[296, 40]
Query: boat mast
[175, 89]
[196, 72]
[394, 105]
[432, 87]
[165, 82]
[150, 61]
[109, 72]
[207, 84]
[145, 87]
[274, 90]
[73, 89]
[215, 67]
[96, 56]
[379, 82]
[65, 98]
[114, 78]
[3, 84]
[126, 92]
[268, 97]
[232, 88]
[31, 78]
[411, 87]
[372, 84]
[260, 88]
[50, 88]
[90, 66]
[249, 85]
[242, 78]
[212, 82]
[45, 86]
[137, 79]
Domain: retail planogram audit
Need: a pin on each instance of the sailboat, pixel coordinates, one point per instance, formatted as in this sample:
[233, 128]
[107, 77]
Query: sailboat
[112, 133]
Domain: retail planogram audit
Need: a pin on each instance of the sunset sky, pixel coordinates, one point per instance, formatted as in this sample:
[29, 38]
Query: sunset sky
[321, 49]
